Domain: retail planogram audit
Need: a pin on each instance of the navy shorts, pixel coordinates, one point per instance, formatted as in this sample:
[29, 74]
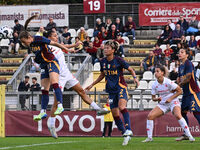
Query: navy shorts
[191, 102]
[48, 68]
[115, 97]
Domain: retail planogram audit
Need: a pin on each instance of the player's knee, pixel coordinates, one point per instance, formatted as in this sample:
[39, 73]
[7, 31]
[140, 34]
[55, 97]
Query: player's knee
[81, 92]
[150, 117]
[121, 108]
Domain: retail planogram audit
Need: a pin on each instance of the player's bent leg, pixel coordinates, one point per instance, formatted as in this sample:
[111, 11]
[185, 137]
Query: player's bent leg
[78, 88]
[155, 113]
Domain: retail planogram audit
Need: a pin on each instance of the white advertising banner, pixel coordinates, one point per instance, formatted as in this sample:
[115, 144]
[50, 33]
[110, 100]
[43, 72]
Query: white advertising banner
[59, 13]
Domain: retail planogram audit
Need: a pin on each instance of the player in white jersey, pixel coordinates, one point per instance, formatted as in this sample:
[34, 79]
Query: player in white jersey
[168, 92]
[66, 79]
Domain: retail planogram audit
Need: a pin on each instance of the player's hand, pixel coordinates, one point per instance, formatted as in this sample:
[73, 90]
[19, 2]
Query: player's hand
[88, 88]
[71, 51]
[158, 99]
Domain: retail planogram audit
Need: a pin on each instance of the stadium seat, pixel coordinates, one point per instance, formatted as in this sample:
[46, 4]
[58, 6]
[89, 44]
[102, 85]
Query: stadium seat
[143, 85]
[77, 31]
[92, 39]
[73, 40]
[147, 75]
[187, 38]
[97, 66]
[197, 38]
[90, 32]
[4, 42]
[76, 66]
[145, 103]
[197, 57]
[73, 32]
[195, 63]
[126, 40]
[150, 84]
[173, 45]
[163, 47]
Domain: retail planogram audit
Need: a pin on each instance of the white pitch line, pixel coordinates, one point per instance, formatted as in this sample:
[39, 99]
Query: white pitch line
[40, 144]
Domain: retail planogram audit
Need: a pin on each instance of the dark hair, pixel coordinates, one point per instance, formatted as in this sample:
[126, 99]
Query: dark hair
[34, 78]
[162, 68]
[65, 27]
[187, 51]
[113, 44]
[26, 77]
[16, 20]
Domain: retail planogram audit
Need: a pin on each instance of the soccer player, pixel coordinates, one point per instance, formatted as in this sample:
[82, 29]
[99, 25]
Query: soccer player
[191, 92]
[168, 92]
[49, 67]
[66, 79]
[112, 69]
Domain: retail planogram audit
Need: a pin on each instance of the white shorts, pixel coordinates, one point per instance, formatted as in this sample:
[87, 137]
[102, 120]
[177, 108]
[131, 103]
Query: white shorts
[67, 80]
[169, 107]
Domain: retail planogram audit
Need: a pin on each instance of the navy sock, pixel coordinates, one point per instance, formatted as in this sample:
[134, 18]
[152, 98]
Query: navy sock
[119, 124]
[58, 92]
[126, 118]
[185, 117]
[45, 99]
[197, 116]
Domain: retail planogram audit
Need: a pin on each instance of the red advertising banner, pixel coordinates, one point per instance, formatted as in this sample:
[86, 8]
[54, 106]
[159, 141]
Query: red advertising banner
[155, 14]
[94, 6]
[86, 123]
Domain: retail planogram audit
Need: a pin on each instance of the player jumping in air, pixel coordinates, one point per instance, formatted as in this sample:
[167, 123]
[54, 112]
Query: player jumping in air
[66, 79]
[49, 67]
[168, 92]
[112, 69]
[191, 92]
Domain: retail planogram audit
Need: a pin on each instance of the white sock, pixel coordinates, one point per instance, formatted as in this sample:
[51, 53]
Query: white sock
[95, 106]
[184, 126]
[52, 121]
[42, 110]
[60, 105]
[149, 128]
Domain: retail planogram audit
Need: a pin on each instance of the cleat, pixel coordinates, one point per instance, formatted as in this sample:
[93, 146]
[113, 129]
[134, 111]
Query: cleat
[126, 140]
[181, 138]
[53, 132]
[59, 110]
[128, 133]
[102, 112]
[40, 116]
[191, 139]
[147, 140]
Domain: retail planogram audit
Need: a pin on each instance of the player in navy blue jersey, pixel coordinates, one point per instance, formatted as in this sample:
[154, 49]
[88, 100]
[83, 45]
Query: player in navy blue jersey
[49, 67]
[112, 69]
[191, 92]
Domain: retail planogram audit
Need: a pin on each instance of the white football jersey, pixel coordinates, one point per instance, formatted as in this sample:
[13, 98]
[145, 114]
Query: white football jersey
[58, 53]
[164, 90]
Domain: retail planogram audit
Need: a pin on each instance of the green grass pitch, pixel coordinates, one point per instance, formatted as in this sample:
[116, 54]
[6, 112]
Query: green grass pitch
[94, 143]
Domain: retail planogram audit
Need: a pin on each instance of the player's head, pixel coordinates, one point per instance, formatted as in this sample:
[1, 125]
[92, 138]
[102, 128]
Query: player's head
[110, 47]
[160, 71]
[52, 35]
[183, 54]
[26, 38]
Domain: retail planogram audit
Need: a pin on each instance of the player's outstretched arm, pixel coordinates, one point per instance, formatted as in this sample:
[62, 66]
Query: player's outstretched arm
[134, 75]
[178, 91]
[101, 76]
[61, 46]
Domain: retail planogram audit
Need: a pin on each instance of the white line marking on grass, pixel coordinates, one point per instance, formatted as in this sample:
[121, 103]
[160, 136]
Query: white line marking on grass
[40, 144]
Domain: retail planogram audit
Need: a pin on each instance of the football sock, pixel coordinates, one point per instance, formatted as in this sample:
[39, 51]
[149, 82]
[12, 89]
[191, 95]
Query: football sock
[95, 106]
[45, 99]
[197, 116]
[126, 118]
[185, 127]
[119, 124]
[149, 128]
[58, 92]
[185, 117]
[60, 105]
[52, 121]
